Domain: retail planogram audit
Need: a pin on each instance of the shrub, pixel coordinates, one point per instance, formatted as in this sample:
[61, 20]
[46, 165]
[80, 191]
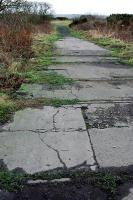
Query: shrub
[15, 35]
[124, 19]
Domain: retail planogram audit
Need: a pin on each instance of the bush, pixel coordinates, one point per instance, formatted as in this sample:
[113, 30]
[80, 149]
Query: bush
[125, 19]
[82, 19]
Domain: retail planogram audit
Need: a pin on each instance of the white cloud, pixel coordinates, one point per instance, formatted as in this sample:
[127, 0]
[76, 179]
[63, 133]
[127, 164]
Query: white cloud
[91, 6]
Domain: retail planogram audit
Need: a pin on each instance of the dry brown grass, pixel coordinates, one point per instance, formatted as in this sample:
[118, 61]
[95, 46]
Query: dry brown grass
[16, 38]
[45, 27]
[99, 28]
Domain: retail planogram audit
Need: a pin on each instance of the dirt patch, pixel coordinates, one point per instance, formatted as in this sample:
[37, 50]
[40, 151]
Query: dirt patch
[63, 191]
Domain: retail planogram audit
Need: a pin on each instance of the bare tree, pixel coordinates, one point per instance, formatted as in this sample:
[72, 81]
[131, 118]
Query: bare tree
[9, 4]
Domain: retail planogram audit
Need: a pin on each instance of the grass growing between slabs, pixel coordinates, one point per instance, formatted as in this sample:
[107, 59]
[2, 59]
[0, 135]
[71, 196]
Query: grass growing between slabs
[118, 48]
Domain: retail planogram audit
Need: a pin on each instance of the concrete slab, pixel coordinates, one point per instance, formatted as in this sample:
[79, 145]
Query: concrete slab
[111, 131]
[64, 118]
[75, 44]
[109, 115]
[78, 52]
[113, 146]
[84, 59]
[83, 90]
[46, 139]
[94, 72]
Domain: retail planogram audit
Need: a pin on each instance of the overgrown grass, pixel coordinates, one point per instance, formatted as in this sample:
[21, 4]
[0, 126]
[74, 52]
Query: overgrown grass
[118, 48]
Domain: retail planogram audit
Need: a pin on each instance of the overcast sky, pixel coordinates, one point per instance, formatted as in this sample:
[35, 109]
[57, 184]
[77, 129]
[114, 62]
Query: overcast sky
[91, 6]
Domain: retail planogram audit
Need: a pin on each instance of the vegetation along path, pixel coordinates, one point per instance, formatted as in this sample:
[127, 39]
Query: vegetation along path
[85, 148]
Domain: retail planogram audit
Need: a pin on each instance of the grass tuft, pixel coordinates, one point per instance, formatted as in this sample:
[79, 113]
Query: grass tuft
[11, 181]
[7, 107]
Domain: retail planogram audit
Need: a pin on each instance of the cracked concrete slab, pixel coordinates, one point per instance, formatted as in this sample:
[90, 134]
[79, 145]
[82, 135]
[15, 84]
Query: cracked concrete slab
[46, 139]
[64, 118]
[110, 127]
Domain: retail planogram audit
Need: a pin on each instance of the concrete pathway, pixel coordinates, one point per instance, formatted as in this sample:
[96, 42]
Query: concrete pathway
[98, 76]
[96, 134]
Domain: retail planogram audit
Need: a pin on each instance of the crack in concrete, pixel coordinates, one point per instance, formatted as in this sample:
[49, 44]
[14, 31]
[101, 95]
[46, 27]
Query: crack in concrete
[46, 131]
[94, 155]
[34, 131]
[93, 150]
[56, 150]
[54, 120]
